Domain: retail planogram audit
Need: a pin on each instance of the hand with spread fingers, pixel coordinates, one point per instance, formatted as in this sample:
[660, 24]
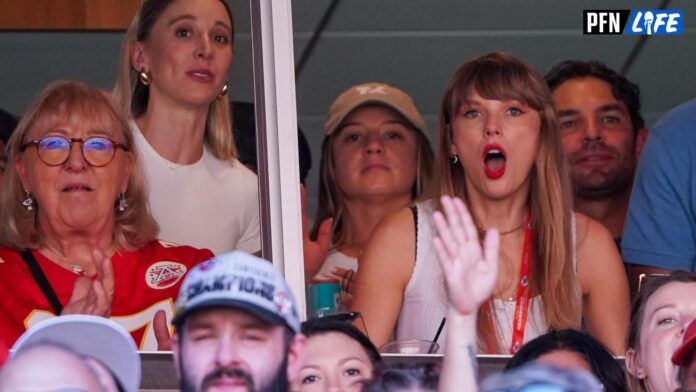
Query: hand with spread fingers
[93, 295]
[470, 270]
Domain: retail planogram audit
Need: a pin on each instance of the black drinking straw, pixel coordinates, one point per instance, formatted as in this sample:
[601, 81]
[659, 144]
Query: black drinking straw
[437, 335]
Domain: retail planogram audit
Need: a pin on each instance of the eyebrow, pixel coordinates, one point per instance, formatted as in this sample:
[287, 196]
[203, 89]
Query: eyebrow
[344, 360]
[191, 17]
[662, 307]
[399, 122]
[181, 17]
[200, 324]
[610, 107]
[90, 133]
[567, 112]
[59, 130]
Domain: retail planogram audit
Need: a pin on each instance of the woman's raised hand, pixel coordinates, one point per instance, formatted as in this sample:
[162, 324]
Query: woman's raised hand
[93, 295]
[470, 271]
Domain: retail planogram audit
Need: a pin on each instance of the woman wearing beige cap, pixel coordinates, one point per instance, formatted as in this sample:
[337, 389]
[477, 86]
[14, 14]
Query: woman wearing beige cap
[375, 160]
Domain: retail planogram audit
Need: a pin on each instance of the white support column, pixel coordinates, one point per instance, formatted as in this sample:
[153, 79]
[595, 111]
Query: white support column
[276, 116]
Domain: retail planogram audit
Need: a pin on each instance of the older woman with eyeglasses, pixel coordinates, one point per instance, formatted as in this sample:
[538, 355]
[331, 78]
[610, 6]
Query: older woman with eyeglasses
[77, 235]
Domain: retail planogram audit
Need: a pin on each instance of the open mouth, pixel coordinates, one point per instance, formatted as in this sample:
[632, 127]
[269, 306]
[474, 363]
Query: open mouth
[494, 161]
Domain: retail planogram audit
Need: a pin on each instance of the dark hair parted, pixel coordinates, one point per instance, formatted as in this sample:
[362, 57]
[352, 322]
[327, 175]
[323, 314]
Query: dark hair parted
[400, 377]
[621, 88]
[604, 366]
[321, 326]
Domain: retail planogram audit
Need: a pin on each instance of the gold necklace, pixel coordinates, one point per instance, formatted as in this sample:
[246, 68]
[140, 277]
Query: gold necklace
[482, 231]
[63, 263]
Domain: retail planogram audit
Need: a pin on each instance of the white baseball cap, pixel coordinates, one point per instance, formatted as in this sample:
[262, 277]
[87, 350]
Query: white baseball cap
[91, 336]
[239, 280]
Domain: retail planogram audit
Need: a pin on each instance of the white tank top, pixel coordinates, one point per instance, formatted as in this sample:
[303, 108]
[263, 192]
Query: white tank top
[336, 259]
[425, 298]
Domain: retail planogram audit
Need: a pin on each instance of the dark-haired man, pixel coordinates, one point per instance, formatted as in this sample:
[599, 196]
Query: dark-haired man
[237, 327]
[603, 134]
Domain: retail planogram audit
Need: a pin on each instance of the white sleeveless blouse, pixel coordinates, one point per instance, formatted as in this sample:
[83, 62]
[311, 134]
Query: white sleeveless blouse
[425, 298]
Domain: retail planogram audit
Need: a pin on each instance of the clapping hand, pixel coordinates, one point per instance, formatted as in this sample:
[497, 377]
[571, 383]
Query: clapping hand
[93, 295]
[470, 271]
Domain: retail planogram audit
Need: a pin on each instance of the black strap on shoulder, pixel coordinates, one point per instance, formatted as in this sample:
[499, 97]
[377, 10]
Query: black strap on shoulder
[414, 211]
[41, 281]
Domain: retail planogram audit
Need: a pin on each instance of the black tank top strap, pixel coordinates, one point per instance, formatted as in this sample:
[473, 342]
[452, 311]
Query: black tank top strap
[41, 280]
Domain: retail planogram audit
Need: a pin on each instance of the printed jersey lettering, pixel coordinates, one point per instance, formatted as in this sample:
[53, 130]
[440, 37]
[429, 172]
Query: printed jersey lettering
[139, 325]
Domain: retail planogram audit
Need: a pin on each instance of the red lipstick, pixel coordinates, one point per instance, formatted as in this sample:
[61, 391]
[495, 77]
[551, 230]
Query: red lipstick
[494, 161]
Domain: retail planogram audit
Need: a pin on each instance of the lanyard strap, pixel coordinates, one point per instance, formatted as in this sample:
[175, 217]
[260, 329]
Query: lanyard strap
[519, 323]
[522, 303]
[41, 280]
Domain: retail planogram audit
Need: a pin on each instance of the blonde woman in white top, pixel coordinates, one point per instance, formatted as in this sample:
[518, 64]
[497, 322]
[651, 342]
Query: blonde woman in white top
[173, 81]
[499, 150]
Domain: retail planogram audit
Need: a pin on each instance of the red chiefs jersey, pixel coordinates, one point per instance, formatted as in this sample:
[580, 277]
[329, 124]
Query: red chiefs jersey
[145, 281]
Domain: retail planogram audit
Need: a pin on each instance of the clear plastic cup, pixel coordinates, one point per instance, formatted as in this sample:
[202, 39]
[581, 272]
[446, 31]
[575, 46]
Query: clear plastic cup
[412, 346]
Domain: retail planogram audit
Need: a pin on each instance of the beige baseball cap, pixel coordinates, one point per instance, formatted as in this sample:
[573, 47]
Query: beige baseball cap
[378, 93]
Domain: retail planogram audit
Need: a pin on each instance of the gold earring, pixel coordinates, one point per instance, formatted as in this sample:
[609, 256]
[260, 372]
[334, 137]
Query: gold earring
[224, 91]
[144, 77]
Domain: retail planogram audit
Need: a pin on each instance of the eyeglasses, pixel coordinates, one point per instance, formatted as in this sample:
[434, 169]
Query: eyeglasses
[98, 151]
[346, 317]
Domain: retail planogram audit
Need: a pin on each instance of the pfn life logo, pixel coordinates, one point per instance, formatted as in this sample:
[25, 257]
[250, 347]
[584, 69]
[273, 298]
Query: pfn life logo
[633, 22]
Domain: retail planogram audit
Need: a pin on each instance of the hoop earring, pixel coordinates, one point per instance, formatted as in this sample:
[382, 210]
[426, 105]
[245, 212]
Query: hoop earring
[28, 202]
[122, 202]
[455, 158]
[224, 91]
[144, 77]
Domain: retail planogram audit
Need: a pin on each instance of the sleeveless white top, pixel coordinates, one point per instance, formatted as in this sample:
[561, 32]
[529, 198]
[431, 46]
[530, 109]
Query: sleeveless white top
[336, 259]
[425, 298]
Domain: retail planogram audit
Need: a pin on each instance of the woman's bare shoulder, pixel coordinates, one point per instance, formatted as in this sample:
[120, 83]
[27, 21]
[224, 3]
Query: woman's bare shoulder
[394, 239]
[590, 232]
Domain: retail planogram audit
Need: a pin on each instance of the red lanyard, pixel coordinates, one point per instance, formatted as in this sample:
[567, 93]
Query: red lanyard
[522, 303]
